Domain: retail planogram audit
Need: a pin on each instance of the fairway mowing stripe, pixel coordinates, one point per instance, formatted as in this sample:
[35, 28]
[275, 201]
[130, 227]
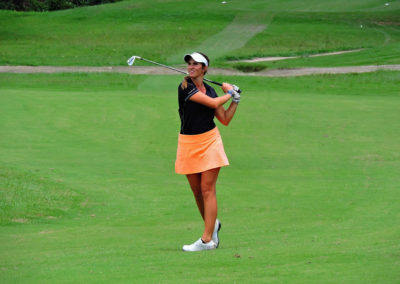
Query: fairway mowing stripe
[234, 36]
[242, 28]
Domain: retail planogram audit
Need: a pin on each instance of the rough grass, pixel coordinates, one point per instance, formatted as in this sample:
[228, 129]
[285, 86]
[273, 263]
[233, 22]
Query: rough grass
[164, 30]
[304, 34]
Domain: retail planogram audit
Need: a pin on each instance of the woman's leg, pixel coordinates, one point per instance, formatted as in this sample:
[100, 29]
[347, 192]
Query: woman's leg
[208, 183]
[195, 185]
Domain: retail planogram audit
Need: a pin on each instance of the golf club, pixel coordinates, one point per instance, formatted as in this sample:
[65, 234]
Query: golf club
[133, 58]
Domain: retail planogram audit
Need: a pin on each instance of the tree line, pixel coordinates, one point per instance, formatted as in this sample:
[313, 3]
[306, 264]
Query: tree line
[48, 5]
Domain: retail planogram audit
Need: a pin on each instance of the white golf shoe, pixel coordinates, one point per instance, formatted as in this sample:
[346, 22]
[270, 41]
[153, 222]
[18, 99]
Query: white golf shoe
[199, 245]
[217, 227]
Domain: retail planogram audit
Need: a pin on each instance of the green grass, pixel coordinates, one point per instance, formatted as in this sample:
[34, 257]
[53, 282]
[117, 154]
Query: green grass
[164, 30]
[88, 192]
[312, 33]
[28, 197]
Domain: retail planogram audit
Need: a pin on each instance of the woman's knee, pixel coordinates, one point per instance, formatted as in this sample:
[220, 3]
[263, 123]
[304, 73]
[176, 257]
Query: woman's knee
[209, 181]
[207, 188]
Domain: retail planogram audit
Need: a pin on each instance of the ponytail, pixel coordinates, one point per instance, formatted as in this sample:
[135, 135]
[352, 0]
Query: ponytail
[184, 82]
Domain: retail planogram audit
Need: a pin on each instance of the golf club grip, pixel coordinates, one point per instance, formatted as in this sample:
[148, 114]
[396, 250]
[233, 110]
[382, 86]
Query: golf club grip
[219, 84]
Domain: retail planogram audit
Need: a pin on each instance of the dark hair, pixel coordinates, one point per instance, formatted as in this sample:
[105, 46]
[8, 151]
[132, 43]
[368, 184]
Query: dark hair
[206, 57]
[184, 82]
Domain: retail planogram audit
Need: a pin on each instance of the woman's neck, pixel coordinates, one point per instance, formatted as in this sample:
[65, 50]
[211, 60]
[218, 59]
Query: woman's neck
[198, 81]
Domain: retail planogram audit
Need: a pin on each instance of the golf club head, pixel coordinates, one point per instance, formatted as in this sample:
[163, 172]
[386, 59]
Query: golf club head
[132, 60]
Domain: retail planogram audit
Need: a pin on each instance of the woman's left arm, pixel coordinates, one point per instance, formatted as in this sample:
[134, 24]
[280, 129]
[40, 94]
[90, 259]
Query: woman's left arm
[225, 115]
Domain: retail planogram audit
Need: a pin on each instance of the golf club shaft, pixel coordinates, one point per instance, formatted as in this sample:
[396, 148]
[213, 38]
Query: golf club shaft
[172, 68]
[213, 82]
[180, 71]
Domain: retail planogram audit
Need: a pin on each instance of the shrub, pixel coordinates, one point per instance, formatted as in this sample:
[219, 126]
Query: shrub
[48, 5]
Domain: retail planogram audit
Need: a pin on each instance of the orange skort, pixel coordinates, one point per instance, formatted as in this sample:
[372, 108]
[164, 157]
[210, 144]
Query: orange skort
[200, 152]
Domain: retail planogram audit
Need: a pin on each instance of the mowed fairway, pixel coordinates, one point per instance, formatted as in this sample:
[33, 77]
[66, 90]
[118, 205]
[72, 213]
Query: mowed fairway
[89, 194]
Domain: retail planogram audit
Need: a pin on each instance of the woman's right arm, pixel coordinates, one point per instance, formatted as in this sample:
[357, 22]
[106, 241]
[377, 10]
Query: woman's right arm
[214, 103]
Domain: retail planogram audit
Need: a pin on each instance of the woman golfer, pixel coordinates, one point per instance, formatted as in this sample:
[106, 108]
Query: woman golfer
[200, 153]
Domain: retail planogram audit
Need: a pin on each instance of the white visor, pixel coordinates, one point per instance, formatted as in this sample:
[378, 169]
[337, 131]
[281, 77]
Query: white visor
[196, 57]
